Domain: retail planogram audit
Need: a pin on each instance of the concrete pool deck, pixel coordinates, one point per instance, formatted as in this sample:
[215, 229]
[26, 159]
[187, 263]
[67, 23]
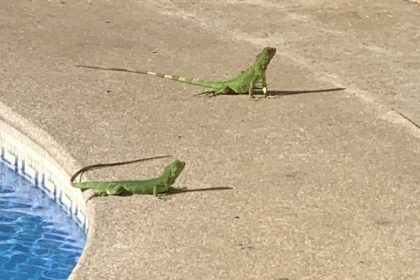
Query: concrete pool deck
[314, 183]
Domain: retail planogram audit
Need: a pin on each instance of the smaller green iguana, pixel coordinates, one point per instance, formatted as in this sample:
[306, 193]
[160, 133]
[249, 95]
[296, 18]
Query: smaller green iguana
[245, 82]
[153, 186]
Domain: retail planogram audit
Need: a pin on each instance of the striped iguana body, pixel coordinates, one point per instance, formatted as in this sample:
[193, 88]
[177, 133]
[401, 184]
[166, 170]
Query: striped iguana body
[245, 82]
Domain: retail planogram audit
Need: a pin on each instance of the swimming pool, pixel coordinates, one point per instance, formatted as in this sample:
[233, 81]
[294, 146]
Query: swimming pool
[38, 240]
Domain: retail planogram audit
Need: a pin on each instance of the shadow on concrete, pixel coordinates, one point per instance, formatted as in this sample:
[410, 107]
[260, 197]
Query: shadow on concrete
[172, 191]
[408, 119]
[273, 93]
[293, 92]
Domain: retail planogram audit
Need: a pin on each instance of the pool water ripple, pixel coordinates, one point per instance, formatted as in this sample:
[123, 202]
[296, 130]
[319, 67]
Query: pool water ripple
[38, 240]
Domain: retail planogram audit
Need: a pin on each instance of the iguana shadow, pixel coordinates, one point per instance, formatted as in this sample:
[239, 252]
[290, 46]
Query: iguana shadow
[173, 191]
[279, 93]
[273, 93]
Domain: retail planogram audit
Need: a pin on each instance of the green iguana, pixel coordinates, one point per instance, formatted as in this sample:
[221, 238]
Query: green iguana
[245, 82]
[154, 186]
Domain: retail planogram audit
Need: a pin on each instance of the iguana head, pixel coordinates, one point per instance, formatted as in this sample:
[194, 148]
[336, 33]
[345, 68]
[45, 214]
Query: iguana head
[173, 170]
[264, 57]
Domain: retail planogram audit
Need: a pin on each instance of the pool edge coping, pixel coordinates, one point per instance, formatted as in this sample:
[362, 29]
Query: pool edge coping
[43, 162]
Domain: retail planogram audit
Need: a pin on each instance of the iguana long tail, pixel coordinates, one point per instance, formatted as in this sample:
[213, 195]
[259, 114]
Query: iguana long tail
[102, 165]
[204, 83]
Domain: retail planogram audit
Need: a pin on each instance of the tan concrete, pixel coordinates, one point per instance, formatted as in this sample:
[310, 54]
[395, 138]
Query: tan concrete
[324, 184]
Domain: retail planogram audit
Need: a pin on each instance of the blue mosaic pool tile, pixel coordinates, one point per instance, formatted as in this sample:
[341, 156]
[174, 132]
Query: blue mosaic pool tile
[23, 160]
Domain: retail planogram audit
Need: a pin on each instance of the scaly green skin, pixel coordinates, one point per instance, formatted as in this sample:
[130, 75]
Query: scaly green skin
[154, 186]
[242, 83]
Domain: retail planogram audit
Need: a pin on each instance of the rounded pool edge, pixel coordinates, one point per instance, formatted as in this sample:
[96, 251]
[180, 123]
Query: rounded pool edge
[23, 148]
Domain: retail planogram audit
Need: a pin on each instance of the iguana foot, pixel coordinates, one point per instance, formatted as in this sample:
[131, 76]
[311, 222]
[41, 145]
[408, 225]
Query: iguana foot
[162, 196]
[209, 93]
[95, 195]
[264, 90]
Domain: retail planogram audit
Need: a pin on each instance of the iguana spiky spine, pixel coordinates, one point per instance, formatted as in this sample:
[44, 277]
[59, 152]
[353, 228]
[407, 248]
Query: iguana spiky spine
[245, 82]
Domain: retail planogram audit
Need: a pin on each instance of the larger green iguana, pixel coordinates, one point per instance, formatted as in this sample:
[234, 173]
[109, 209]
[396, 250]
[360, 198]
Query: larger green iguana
[245, 82]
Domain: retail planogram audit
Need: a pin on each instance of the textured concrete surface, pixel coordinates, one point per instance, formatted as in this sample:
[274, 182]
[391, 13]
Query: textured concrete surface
[320, 183]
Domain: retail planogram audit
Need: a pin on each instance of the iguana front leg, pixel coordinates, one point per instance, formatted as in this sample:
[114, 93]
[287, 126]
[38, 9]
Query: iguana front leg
[160, 190]
[160, 193]
[251, 87]
[264, 84]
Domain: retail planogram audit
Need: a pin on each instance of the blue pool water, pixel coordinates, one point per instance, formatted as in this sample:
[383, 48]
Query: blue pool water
[38, 240]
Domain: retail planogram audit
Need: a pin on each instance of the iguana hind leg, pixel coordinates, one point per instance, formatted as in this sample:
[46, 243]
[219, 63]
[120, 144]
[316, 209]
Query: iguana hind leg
[224, 90]
[213, 92]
